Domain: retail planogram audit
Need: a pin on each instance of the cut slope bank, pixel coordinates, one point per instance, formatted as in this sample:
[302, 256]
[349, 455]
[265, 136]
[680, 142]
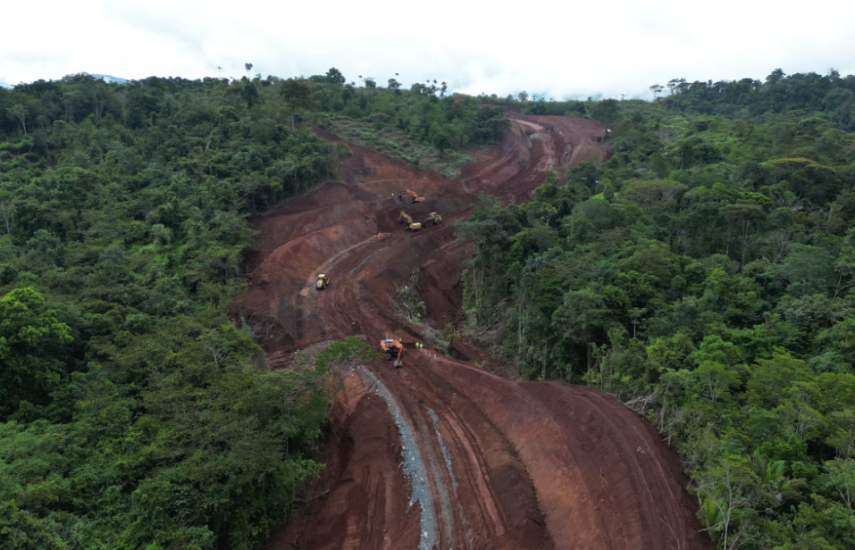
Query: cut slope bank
[440, 454]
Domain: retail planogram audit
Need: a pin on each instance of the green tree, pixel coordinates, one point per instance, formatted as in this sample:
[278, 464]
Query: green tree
[842, 432]
[441, 140]
[249, 93]
[335, 77]
[7, 211]
[606, 111]
[771, 377]
[716, 379]
[728, 491]
[32, 342]
[809, 269]
[19, 112]
[841, 478]
[297, 94]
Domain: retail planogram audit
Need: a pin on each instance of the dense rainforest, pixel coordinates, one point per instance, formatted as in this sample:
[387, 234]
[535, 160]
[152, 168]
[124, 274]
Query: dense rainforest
[705, 275]
[134, 413]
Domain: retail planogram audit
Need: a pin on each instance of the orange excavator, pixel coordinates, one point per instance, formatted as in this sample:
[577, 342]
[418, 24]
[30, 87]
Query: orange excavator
[393, 349]
[415, 196]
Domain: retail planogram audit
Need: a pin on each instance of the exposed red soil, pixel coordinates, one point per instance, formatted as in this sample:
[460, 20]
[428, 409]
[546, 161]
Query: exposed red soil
[499, 464]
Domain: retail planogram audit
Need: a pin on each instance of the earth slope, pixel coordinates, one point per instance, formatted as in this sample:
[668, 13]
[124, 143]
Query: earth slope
[441, 453]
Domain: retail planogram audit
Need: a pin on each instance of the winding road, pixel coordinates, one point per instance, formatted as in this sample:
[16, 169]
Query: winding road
[443, 453]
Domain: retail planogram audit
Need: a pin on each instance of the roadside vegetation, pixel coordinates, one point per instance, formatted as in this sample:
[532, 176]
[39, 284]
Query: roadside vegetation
[705, 275]
[411, 305]
[396, 143]
[133, 412]
[421, 126]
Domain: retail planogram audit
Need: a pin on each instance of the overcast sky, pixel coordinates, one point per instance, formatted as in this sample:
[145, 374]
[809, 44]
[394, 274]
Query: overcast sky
[557, 49]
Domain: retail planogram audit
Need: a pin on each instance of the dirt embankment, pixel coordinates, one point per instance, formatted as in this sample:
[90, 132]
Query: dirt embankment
[441, 454]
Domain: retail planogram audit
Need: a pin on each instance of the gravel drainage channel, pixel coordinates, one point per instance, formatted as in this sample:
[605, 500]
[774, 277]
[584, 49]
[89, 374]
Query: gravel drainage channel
[414, 466]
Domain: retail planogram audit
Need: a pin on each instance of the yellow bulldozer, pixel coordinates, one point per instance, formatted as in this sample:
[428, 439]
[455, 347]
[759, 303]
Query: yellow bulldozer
[323, 281]
[405, 218]
[433, 219]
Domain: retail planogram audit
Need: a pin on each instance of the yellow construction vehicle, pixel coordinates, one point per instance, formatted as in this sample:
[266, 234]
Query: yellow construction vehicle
[405, 218]
[323, 281]
[433, 219]
[393, 349]
[413, 226]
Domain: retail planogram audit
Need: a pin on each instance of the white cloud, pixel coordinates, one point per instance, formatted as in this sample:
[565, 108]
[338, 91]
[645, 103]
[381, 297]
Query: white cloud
[556, 48]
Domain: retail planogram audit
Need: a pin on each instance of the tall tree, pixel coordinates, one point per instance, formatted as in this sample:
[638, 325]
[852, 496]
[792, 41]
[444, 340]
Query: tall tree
[7, 211]
[19, 112]
[297, 94]
[334, 76]
[606, 111]
[31, 345]
[249, 93]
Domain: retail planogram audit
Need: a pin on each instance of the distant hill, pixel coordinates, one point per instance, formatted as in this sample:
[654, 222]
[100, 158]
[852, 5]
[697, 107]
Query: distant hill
[110, 79]
[105, 77]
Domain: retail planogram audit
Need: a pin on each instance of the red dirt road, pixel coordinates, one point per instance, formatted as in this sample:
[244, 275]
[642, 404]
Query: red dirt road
[441, 454]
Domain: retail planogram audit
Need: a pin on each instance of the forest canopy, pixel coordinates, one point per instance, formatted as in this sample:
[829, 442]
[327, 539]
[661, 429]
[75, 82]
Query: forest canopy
[705, 275]
[133, 412]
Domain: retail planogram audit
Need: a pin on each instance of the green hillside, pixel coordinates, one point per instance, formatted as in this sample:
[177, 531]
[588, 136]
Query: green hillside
[705, 275]
[133, 412]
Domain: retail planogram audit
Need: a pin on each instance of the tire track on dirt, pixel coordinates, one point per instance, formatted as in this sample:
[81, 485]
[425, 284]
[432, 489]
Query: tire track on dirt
[506, 465]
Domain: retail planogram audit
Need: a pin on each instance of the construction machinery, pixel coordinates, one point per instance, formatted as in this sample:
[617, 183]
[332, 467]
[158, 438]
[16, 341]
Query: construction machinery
[393, 349]
[413, 195]
[323, 281]
[433, 219]
[406, 219]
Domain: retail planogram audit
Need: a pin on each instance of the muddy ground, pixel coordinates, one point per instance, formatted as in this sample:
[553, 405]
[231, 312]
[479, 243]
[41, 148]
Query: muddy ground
[442, 453]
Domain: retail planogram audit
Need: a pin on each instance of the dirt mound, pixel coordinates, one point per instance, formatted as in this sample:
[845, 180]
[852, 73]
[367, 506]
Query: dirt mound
[601, 472]
[439, 454]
